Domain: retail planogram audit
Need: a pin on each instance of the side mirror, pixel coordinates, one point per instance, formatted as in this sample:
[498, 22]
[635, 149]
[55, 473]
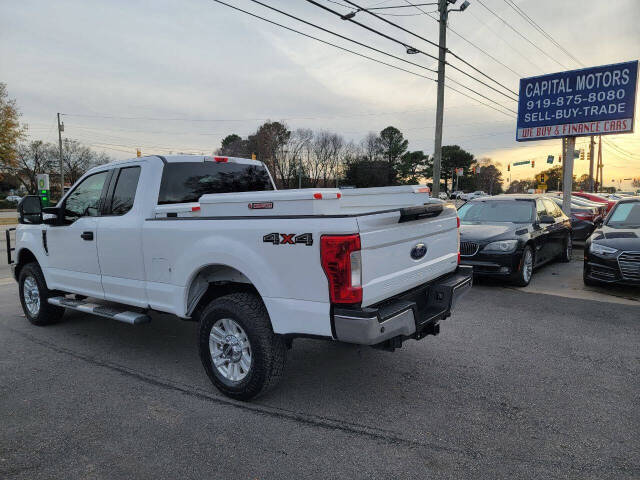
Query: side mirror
[53, 216]
[30, 210]
[547, 219]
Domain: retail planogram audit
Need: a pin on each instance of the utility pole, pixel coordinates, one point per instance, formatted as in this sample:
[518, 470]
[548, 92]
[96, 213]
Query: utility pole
[442, 50]
[567, 174]
[60, 130]
[592, 145]
[600, 162]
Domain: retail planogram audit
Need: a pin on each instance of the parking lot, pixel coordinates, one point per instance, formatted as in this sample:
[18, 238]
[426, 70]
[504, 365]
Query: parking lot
[540, 382]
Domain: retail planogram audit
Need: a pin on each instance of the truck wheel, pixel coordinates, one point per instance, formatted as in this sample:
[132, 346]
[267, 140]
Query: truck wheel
[523, 275]
[33, 297]
[238, 349]
[567, 250]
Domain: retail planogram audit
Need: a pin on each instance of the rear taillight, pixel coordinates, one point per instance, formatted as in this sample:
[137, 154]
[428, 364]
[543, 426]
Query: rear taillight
[342, 264]
[583, 216]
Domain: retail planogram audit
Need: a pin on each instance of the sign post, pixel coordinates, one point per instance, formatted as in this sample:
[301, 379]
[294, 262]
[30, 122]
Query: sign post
[577, 103]
[42, 179]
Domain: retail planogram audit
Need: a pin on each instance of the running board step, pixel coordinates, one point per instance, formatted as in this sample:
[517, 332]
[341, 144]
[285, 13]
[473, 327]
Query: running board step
[134, 318]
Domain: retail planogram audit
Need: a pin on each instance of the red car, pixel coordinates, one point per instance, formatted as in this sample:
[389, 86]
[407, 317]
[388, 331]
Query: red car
[595, 198]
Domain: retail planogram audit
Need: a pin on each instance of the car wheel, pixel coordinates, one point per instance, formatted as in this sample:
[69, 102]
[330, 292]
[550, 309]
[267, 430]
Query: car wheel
[33, 297]
[238, 349]
[523, 276]
[567, 250]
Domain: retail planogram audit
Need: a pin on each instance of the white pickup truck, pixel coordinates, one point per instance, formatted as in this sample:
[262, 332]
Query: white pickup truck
[210, 239]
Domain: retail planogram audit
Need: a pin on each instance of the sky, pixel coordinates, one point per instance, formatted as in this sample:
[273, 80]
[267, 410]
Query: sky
[178, 76]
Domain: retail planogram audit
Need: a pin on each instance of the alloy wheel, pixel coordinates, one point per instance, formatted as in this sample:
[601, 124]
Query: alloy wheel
[31, 295]
[230, 349]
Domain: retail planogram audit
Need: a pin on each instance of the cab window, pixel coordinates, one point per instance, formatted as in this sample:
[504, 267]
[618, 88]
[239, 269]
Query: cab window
[125, 191]
[84, 200]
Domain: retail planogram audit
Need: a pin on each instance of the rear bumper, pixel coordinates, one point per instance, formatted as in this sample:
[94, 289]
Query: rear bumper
[413, 314]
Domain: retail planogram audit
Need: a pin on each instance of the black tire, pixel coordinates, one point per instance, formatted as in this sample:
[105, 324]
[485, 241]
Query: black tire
[567, 250]
[46, 314]
[523, 276]
[267, 350]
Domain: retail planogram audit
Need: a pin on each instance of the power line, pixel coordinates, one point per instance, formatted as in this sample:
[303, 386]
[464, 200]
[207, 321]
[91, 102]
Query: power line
[306, 117]
[380, 51]
[503, 40]
[520, 34]
[373, 59]
[447, 50]
[429, 14]
[417, 50]
[533, 23]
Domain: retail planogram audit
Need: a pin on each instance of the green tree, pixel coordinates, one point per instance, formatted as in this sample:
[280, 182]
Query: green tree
[234, 146]
[11, 130]
[393, 145]
[488, 176]
[412, 167]
[268, 143]
[452, 157]
[363, 173]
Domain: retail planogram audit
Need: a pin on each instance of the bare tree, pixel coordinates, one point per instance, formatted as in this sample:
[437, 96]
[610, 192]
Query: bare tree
[32, 159]
[371, 147]
[326, 149]
[292, 156]
[78, 158]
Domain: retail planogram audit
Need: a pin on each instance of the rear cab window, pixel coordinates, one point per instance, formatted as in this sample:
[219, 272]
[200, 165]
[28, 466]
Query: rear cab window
[184, 182]
[124, 192]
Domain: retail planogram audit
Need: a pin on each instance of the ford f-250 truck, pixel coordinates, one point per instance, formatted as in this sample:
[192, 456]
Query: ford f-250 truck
[210, 239]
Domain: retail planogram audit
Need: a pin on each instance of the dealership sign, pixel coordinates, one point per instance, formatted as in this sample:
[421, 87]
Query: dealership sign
[591, 101]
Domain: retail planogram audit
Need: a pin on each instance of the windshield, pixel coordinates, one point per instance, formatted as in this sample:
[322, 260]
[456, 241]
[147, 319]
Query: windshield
[625, 215]
[516, 211]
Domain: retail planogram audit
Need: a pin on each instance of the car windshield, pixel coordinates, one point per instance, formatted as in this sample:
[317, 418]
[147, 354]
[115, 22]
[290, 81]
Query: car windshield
[625, 215]
[516, 211]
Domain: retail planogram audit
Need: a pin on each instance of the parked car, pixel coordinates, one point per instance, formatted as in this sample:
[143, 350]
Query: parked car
[209, 239]
[472, 195]
[13, 198]
[584, 220]
[456, 194]
[612, 253]
[596, 198]
[507, 236]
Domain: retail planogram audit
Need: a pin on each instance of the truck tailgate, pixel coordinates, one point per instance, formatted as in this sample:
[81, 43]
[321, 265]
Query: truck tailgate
[388, 239]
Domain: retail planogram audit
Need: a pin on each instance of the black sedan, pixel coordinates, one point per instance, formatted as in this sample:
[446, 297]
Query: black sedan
[507, 236]
[612, 253]
[584, 219]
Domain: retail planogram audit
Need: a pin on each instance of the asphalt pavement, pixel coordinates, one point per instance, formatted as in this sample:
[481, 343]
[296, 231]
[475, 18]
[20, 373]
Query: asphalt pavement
[517, 385]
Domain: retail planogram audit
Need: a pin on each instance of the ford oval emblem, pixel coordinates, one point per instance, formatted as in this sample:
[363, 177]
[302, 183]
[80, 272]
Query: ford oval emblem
[419, 251]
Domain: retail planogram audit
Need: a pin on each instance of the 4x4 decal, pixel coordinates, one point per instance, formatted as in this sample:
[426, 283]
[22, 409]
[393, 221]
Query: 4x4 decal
[288, 238]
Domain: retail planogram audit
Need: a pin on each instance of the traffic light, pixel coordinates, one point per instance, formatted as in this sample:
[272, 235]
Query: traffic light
[582, 154]
[533, 163]
[588, 156]
[508, 167]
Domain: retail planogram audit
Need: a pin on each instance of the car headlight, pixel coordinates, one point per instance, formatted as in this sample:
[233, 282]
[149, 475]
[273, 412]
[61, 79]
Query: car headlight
[601, 249]
[501, 246]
